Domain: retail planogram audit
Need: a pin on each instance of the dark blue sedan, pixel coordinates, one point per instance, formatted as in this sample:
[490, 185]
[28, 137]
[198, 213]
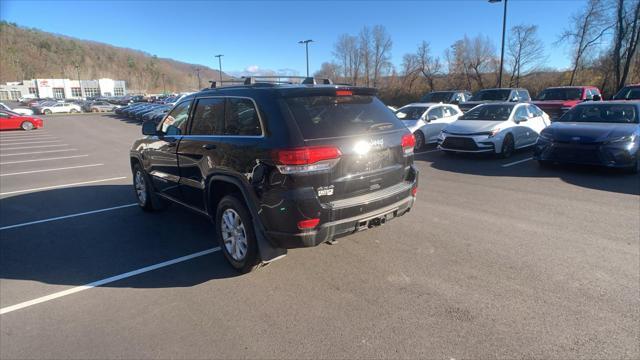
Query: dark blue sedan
[594, 133]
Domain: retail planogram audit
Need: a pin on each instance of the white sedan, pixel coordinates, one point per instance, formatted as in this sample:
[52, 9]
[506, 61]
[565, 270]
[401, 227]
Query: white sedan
[21, 111]
[498, 128]
[60, 107]
[426, 120]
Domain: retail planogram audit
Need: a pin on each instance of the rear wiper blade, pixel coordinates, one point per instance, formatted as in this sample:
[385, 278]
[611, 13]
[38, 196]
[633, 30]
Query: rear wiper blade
[379, 126]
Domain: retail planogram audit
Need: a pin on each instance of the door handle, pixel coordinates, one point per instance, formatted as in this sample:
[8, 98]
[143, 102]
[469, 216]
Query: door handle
[209, 146]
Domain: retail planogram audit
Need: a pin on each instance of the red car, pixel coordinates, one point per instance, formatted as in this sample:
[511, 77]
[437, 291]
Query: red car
[556, 101]
[12, 121]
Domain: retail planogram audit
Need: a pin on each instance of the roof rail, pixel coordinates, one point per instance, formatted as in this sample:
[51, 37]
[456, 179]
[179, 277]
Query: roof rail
[271, 80]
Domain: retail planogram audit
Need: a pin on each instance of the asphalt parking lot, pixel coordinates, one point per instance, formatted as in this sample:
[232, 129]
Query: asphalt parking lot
[498, 259]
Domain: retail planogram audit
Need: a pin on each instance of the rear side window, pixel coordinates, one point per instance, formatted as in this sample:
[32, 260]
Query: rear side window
[330, 116]
[208, 118]
[242, 118]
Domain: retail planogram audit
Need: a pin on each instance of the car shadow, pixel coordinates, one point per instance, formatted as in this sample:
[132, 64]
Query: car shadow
[597, 178]
[79, 250]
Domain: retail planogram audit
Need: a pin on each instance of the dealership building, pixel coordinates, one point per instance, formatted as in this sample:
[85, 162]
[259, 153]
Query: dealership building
[62, 88]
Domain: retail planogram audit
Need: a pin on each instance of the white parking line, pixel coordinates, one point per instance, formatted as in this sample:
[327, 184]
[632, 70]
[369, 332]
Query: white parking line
[108, 280]
[517, 162]
[27, 142]
[35, 147]
[39, 152]
[47, 159]
[41, 137]
[46, 170]
[61, 186]
[22, 134]
[66, 216]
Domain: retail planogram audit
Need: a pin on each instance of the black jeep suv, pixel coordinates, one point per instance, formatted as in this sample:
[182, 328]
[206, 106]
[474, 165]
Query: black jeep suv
[278, 166]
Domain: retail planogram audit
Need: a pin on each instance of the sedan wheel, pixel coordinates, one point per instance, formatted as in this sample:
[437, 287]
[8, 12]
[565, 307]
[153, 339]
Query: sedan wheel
[47, 112]
[27, 125]
[507, 147]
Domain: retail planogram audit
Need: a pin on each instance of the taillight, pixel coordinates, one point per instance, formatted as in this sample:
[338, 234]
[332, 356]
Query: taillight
[408, 142]
[414, 191]
[308, 224]
[306, 159]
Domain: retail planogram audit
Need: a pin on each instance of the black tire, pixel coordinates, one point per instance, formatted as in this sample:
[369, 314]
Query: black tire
[508, 146]
[46, 112]
[636, 168]
[27, 125]
[73, 111]
[143, 189]
[420, 142]
[249, 261]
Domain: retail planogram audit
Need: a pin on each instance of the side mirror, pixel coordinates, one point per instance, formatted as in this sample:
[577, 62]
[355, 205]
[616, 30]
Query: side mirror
[520, 118]
[515, 99]
[149, 128]
[597, 97]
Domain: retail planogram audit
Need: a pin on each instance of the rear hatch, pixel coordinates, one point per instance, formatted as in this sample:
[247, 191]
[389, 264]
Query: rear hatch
[371, 159]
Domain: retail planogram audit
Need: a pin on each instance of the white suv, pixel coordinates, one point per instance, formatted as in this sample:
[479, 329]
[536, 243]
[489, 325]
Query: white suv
[498, 128]
[426, 120]
[61, 107]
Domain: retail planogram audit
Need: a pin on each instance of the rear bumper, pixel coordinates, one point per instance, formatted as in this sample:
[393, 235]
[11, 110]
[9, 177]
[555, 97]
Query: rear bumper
[342, 227]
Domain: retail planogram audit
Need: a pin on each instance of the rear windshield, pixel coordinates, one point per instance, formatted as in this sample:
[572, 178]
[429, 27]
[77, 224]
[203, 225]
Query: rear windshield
[488, 112]
[560, 94]
[329, 116]
[437, 97]
[605, 113]
[496, 94]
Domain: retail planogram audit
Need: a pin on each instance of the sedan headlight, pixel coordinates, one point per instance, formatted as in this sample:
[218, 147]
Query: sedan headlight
[622, 139]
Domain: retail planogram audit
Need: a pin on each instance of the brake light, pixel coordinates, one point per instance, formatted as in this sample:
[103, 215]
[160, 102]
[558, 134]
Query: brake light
[308, 224]
[344, 93]
[307, 159]
[408, 143]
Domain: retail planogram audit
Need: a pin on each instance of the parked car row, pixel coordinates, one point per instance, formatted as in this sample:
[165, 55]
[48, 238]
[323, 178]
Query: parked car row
[144, 111]
[595, 133]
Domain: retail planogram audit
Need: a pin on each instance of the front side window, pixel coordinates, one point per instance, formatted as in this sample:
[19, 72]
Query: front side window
[178, 118]
[523, 95]
[521, 113]
[488, 112]
[242, 118]
[208, 118]
[435, 113]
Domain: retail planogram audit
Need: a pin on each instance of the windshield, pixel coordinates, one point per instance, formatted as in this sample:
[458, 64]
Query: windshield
[411, 112]
[495, 94]
[329, 116]
[488, 113]
[437, 97]
[628, 93]
[602, 113]
[560, 94]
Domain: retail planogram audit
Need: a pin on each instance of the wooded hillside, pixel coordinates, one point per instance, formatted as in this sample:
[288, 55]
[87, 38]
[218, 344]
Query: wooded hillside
[31, 53]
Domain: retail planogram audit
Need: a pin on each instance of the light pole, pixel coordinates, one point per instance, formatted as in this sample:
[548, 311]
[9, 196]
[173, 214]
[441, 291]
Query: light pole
[219, 56]
[306, 46]
[79, 83]
[504, 29]
[164, 89]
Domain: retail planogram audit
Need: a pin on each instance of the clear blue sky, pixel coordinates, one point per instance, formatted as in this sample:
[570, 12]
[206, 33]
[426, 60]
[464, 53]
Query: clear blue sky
[264, 34]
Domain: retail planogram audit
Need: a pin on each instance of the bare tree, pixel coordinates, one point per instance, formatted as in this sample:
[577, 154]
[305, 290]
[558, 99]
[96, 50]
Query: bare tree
[429, 66]
[590, 25]
[479, 56]
[410, 70]
[525, 51]
[329, 70]
[366, 54]
[347, 53]
[381, 49]
[625, 42]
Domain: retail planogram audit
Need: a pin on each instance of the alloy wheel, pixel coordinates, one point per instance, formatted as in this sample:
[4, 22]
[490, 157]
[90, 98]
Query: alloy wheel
[141, 187]
[234, 235]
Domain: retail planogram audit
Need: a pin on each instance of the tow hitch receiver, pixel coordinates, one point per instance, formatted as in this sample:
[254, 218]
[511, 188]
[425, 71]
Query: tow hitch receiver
[376, 220]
